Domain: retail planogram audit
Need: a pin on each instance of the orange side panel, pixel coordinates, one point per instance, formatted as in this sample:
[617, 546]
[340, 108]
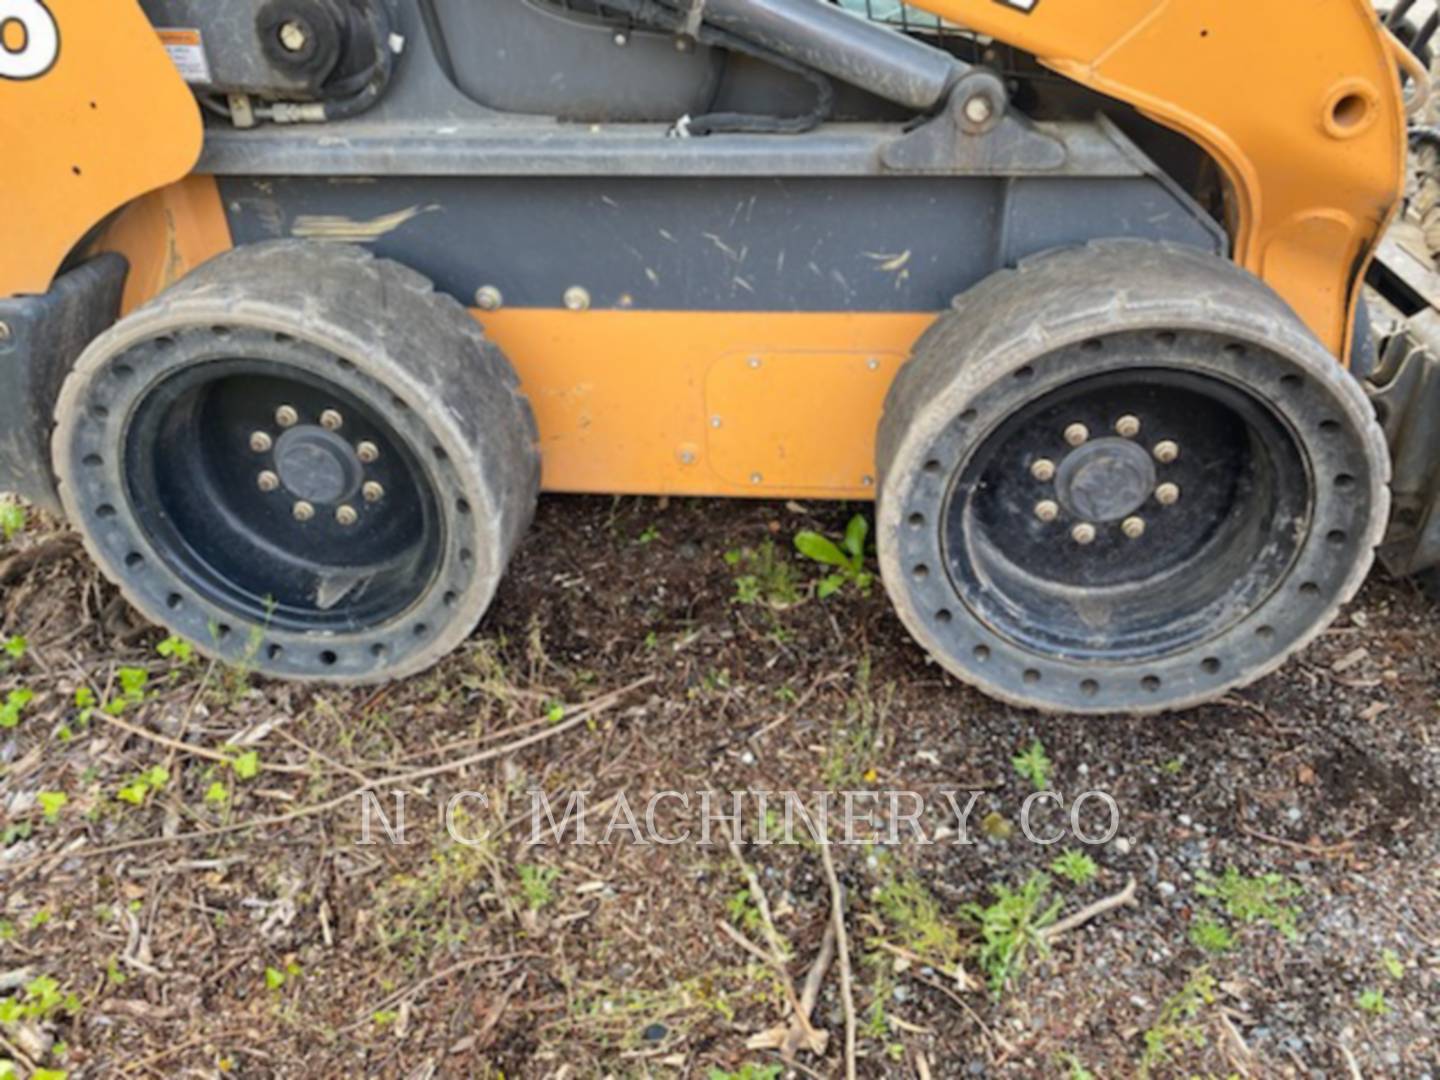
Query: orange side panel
[701, 403]
[1299, 103]
[92, 114]
[165, 235]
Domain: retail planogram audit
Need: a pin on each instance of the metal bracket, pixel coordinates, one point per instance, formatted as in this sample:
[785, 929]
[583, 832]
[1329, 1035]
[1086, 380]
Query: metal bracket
[976, 135]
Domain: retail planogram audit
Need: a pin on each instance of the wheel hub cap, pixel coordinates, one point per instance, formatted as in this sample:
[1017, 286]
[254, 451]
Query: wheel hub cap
[317, 465]
[1105, 480]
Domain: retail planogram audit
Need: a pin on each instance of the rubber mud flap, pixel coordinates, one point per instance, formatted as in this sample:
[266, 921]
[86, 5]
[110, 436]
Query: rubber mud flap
[40, 339]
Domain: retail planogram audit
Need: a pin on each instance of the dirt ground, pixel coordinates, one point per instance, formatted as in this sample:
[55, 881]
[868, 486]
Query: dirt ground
[185, 891]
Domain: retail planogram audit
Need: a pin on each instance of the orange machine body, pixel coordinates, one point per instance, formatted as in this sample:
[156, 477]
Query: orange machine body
[1301, 111]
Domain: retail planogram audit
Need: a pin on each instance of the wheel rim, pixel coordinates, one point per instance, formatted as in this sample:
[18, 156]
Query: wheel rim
[963, 580]
[271, 514]
[1178, 526]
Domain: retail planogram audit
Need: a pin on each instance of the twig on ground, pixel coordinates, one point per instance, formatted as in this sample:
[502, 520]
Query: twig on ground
[842, 944]
[584, 713]
[1123, 898]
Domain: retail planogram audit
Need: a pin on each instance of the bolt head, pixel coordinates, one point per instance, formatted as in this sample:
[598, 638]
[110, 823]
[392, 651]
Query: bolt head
[1043, 470]
[260, 442]
[867, 480]
[756, 478]
[1083, 534]
[4, 331]
[303, 511]
[577, 298]
[682, 44]
[286, 416]
[1047, 510]
[372, 492]
[331, 420]
[1133, 527]
[293, 36]
[979, 109]
[367, 452]
[1077, 434]
[268, 481]
[621, 39]
[346, 515]
[1167, 494]
[1166, 452]
[489, 298]
[1127, 427]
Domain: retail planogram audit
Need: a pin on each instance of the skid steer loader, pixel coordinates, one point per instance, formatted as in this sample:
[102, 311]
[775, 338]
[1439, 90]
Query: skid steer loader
[305, 301]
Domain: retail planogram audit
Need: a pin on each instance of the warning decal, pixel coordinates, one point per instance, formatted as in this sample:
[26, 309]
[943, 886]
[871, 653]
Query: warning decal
[187, 53]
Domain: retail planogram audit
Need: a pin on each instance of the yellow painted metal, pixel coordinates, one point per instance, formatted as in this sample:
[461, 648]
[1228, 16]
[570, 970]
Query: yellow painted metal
[92, 115]
[1299, 104]
[628, 401]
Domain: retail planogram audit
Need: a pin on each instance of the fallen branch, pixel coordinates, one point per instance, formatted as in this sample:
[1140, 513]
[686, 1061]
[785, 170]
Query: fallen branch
[842, 944]
[1123, 898]
[813, 1040]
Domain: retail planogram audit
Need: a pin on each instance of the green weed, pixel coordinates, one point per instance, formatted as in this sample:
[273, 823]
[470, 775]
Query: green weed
[12, 519]
[1176, 1025]
[535, 882]
[767, 578]
[1211, 937]
[1034, 765]
[846, 559]
[1075, 867]
[914, 917]
[1010, 928]
[13, 705]
[1373, 1002]
[1260, 899]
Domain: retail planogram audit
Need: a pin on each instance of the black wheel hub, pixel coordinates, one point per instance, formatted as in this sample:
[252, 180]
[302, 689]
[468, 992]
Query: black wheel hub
[317, 465]
[1105, 480]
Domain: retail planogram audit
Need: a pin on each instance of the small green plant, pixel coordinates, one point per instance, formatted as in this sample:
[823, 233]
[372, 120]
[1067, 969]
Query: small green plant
[1373, 1002]
[1176, 1025]
[1209, 936]
[1034, 765]
[138, 790]
[217, 794]
[41, 999]
[12, 519]
[1260, 899]
[748, 1072]
[274, 978]
[649, 536]
[14, 647]
[1010, 928]
[1075, 867]
[911, 913]
[767, 578]
[13, 705]
[177, 649]
[847, 559]
[535, 884]
[742, 911]
[1392, 964]
[52, 802]
[245, 766]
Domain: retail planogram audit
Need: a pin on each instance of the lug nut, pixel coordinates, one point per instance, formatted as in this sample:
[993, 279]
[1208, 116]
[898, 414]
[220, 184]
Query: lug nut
[1167, 494]
[1084, 533]
[1077, 434]
[1043, 470]
[367, 452]
[372, 492]
[331, 420]
[1047, 511]
[260, 442]
[286, 416]
[489, 298]
[577, 298]
[346, 515]
[1133, 527]
[268, 482]
[1166, 452]
[293, 36]
[303, 511]
[1127, 427]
